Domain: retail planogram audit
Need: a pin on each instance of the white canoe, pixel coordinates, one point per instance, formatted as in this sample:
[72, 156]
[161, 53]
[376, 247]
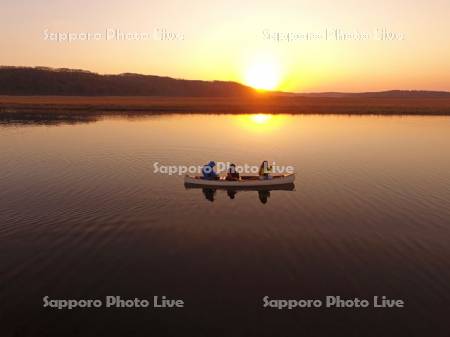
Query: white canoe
[245, 181]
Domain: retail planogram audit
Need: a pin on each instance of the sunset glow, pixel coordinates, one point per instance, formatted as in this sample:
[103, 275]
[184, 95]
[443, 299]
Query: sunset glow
[230, 40]
[224, 168]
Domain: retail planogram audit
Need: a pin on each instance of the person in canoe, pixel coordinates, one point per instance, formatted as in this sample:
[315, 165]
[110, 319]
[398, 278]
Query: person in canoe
[265, 170]
[209, 172]
[232, 174]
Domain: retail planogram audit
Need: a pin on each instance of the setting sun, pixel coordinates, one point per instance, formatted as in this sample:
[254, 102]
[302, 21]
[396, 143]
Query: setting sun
[264, 75]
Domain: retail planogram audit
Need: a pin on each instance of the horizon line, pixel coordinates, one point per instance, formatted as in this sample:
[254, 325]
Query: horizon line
[329, 92]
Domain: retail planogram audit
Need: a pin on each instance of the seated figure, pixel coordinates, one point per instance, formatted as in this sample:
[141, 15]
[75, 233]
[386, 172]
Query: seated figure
[232, 174]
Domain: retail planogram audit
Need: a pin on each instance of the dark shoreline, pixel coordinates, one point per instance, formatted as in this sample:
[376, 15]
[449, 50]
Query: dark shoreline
[54, 106]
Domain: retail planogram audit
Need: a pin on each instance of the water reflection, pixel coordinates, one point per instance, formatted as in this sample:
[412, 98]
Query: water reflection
[82, 215]
[14, 119]
[260, 123]
[263, 196]
[263, 191]
[209, 193]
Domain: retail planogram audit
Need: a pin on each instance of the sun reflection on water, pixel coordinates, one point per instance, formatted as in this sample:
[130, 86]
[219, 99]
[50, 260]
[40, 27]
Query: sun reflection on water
[260, 122]
[261, 118]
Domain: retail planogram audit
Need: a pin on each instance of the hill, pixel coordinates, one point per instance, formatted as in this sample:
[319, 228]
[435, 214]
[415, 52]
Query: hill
[68, 82]
[382, 94]
[42, 81]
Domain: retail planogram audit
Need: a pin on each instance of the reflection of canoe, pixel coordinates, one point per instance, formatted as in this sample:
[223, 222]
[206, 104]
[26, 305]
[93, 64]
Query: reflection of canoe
[284, 187]
[244, 182]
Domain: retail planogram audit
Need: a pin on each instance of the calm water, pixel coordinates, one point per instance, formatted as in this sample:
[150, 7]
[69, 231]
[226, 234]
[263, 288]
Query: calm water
[82, 215]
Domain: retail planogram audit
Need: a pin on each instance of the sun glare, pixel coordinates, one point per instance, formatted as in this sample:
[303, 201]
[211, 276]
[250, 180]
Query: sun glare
[263, 75]
[261, 118]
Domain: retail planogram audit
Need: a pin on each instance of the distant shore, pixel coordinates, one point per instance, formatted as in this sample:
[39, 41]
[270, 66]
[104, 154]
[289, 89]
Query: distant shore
[274, 104]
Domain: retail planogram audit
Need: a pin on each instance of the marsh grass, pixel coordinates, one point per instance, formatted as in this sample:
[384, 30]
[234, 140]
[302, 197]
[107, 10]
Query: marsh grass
[88, 105]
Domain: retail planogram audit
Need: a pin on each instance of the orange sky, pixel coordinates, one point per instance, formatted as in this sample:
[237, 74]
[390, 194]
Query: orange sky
[229, 40]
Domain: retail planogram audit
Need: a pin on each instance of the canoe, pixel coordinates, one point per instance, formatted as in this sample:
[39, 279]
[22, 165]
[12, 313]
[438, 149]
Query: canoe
[245, 181]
